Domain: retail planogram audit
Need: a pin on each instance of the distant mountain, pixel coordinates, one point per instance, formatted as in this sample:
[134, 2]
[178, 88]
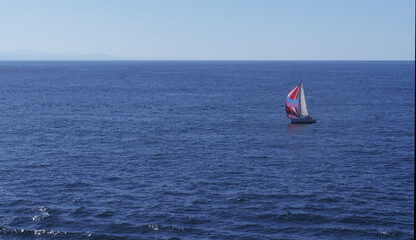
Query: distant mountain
[34, 55]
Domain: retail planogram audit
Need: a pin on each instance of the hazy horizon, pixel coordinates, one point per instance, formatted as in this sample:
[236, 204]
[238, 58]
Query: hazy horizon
[26, 55]
[207, 30]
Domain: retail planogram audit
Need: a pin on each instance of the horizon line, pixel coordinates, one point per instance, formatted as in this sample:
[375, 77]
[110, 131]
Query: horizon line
[202, 60]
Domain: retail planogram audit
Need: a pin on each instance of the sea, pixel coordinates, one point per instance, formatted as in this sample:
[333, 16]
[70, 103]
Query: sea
[204, 150]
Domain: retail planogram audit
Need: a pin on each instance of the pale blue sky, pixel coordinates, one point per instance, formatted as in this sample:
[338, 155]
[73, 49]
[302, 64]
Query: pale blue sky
[213, 29]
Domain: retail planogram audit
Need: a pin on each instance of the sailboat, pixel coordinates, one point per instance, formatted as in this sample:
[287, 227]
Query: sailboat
[296, 106]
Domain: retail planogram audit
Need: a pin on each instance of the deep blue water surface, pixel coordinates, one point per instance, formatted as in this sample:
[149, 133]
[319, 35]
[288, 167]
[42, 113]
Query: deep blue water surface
[203, 150]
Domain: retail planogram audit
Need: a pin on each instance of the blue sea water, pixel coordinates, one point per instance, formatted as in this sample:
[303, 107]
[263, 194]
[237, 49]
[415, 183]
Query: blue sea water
[203, 150]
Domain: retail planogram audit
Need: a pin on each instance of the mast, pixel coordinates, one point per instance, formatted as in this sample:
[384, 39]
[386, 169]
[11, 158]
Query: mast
[300, 99]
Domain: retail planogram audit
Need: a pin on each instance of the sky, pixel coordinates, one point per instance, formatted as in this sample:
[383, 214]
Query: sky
[210, 29]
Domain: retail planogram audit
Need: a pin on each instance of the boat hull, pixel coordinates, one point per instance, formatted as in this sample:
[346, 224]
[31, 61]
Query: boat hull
[303, 120]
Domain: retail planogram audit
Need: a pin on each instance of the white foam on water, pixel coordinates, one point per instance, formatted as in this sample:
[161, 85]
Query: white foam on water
[154, 227]
[387, 233]
[43, 214]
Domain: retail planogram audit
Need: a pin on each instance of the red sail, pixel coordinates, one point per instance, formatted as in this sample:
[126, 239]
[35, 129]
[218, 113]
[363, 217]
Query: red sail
[292, 103]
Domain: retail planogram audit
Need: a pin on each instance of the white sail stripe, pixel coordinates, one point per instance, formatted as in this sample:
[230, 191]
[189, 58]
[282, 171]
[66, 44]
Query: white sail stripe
[294, 110]
[290, 92]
